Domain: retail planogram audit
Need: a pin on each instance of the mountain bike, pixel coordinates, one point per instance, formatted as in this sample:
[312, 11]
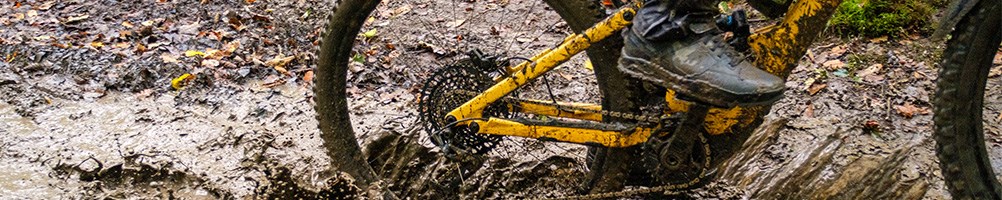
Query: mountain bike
[959, 99]
[468, 106]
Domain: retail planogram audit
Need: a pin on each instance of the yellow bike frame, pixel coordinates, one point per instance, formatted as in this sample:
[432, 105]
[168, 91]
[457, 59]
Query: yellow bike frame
[776, 49]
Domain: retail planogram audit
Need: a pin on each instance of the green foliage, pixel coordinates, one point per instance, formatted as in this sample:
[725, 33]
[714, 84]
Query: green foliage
[874, 18]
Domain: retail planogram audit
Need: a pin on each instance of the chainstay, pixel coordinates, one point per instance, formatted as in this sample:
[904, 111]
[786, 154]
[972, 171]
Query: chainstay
[671, 189]
[623, 115]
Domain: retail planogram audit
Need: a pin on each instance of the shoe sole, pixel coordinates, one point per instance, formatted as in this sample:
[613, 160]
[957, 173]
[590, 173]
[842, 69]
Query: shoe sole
[703, 92]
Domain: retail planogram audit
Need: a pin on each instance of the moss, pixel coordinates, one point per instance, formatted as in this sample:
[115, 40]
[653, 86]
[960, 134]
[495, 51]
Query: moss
[874, 18]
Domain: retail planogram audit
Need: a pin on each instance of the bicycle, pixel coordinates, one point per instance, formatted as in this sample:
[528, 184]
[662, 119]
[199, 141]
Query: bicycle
[959, 98]
[688, 138]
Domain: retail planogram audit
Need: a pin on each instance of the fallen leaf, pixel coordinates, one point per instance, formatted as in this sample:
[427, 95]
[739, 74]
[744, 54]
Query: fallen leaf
[157, 44]
[232, 46]
[282, 70]
[122, 45]
[273, 84]
[235, 22]
[837, 51]
[871, 125]
[44, 37]
[833, 64]
[76, 19]
[168, 58]
[359, 58]
[227, 50]
[808, 83]
[566, 76]
[60, 45]
[261, 18]
[140, 48]
[308, 77]
[127, 24]
[814, 89]
[908, 110]
[210, 63]
[124, 34]
[588, 65]
[97, 44]
[193, 53]
[181, 81]
[869, 71]
[11, 57]
[369, 34]
[457, 23]
[878, 40]
[46, 6]
[279, 61]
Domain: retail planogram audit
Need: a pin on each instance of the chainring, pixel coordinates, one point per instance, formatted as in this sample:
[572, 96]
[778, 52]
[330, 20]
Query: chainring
[447, 89]
[667, 166]
[679, 157]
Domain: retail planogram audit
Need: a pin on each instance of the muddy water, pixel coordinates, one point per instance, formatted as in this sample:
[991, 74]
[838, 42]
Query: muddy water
[222, 149]
[21, 179]
[67, 138]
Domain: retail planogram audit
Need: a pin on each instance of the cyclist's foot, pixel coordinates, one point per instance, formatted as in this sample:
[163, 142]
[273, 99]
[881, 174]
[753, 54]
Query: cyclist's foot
[688, 54]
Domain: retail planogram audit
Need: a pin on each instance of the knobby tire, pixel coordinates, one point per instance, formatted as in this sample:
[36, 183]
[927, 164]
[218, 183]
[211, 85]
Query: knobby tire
[958, 104]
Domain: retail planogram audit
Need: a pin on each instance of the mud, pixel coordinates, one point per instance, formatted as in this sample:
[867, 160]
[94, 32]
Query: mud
[80, 122]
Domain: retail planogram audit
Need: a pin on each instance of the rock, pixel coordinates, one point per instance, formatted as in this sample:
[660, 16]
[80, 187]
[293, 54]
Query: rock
[8, 78]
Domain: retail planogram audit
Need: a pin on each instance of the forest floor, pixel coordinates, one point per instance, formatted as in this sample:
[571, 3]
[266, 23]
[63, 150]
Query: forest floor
[88, 109]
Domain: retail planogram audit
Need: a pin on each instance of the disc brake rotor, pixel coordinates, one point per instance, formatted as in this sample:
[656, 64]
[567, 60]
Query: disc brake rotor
[447, 89]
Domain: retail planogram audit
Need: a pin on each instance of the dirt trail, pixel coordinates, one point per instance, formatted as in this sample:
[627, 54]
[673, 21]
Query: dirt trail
[82, 121]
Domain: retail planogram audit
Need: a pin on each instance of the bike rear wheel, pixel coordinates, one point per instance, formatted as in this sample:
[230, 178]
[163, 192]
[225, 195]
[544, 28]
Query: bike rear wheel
[341, 43]
[958, 103]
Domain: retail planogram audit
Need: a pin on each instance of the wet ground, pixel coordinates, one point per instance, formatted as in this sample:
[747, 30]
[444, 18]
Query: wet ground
[88, 110]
